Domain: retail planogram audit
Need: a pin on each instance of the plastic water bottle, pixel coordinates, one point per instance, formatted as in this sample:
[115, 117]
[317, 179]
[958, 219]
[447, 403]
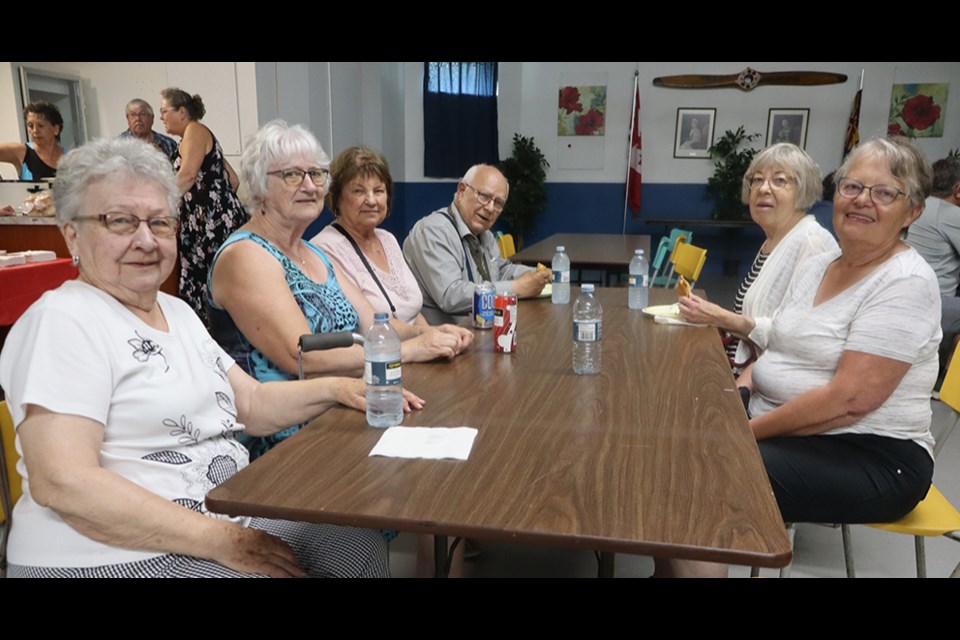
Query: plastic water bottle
[383, 374]
[638, 294]
[587, 332]
[561, 277]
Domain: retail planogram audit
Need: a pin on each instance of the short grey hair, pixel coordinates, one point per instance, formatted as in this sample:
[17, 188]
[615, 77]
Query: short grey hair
[788, 158]
[105, 159]
[139, 103]
[904, 161]
[275, 143]
[472, 172]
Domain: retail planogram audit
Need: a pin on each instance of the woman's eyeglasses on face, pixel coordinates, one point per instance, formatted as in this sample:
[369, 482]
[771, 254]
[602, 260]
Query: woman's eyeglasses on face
[294, 177]
[124, 224]
[879, 193]
[777, 182]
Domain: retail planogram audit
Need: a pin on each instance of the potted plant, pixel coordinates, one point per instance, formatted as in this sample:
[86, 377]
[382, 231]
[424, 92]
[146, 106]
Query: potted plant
[726, 183]
[526, 171]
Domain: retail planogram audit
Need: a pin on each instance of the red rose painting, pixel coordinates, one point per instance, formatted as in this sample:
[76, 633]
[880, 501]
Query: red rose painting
[581, 110]
[918, 110]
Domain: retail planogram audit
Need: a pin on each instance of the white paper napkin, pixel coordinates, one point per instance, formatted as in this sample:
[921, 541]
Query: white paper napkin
[434, 443]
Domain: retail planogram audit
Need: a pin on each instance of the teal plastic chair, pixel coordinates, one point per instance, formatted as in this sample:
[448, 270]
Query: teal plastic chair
[667, 244]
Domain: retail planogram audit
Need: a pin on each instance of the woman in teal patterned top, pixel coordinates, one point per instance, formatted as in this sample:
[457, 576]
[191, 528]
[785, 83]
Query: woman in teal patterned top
[268, 286]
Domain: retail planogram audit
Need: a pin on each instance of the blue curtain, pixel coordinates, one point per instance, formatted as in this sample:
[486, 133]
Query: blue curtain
[459, 117]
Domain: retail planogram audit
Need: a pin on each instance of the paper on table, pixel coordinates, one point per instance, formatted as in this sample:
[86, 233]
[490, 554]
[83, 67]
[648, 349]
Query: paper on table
[434, 443]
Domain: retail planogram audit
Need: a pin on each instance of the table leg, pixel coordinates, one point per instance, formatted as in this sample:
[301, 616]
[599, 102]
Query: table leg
[440, 569]
[605, 562]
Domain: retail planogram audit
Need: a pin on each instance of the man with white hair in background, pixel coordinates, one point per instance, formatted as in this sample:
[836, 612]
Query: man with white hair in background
[140, 126]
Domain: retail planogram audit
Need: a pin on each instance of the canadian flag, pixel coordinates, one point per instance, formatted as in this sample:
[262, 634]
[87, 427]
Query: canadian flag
[636, 156]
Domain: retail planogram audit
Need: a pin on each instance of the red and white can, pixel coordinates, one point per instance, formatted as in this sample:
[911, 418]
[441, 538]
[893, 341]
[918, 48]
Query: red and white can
[505, 323]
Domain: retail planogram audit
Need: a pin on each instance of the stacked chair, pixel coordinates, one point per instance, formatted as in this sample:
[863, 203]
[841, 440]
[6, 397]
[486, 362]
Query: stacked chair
[667, 245]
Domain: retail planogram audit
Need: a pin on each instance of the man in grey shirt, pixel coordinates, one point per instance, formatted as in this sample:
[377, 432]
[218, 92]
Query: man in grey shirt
[452, 249]
[936, 236]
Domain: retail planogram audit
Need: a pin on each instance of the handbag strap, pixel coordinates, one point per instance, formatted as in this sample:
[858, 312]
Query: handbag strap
[363, 259]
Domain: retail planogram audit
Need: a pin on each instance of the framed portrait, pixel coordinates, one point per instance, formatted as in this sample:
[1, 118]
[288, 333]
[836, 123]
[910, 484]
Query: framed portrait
[788, 125]
[694, 133]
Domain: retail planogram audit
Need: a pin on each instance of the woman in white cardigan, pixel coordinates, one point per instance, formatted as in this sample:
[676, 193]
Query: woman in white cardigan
[781, 185]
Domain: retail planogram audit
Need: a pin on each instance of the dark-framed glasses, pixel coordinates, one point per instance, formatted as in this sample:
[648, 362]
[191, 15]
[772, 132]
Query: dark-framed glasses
[486, 198]
[879, 193]
[294, 176]
[124, 224]
[777, 182]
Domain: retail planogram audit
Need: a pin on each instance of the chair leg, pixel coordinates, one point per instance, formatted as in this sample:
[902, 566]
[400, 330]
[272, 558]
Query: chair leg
[921, 556]
[848, 550]
[792, 535]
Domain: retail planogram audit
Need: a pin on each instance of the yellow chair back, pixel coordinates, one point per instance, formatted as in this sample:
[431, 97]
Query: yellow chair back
[688, 260]
[507, 248]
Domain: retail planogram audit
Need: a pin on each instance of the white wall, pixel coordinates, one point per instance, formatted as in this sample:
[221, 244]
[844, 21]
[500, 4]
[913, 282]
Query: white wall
[380, 104]
[528, 104]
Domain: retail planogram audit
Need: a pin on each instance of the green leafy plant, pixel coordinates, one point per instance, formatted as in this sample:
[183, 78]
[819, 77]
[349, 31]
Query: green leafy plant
[954, 153]
[526, 171]
[732, 159]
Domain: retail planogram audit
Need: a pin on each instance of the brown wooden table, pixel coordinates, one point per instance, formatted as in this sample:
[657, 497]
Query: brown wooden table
[652, 456]
[610, 253]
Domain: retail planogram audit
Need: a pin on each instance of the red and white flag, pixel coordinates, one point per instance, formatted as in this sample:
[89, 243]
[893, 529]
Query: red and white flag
[636, 156]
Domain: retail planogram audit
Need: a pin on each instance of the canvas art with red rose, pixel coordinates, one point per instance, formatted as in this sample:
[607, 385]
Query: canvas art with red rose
[918, 110]
[582, 111]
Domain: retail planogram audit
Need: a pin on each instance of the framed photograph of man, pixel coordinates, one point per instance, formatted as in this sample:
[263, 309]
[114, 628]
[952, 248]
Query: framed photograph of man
[788, 125]
[694, 133]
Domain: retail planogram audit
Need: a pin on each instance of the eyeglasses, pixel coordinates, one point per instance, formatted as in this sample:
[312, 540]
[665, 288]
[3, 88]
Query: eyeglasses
[140, 116]
[777, 182]
[486, 198]
[164, 110]
[879, 193]
[294, 177]
[124, 224]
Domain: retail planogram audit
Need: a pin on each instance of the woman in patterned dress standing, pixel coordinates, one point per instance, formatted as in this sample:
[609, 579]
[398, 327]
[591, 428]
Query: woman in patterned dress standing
[210, 210]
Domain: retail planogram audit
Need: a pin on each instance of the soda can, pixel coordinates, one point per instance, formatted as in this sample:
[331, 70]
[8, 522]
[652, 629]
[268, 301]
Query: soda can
[505, 323]
[483, 305]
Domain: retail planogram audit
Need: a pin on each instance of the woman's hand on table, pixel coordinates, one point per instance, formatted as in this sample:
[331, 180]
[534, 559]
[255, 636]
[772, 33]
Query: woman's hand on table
[464, 336]
[695, 309]
[351, 392]
[255, 551]
[430, 345]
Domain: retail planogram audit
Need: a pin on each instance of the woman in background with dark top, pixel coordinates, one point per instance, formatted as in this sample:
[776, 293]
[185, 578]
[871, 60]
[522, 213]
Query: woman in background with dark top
[38, 159]
[210, 210]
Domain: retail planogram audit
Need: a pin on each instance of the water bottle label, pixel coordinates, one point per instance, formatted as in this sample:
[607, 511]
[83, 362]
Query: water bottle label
[383, 374]
[561, 277]
[587, 331]
[639, 280]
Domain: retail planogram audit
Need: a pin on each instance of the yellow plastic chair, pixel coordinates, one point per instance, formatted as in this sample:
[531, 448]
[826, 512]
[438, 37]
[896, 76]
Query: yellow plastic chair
[687, 261]
[10, 487]
[507, 248]
[934, 516]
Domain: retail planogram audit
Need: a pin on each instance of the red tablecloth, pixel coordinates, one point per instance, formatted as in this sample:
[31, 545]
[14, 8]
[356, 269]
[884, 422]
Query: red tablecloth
[22, 285]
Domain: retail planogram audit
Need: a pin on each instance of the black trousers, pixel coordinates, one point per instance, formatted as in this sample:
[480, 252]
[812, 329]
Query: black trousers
[847, 478]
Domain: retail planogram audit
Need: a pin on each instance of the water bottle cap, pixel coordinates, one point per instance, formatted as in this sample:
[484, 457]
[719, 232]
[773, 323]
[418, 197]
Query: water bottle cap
[638, 252]
[561, 249]
[587, 288]
[380, 317]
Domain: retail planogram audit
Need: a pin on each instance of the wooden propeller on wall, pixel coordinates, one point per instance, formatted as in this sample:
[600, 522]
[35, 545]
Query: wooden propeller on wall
[750, 78]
